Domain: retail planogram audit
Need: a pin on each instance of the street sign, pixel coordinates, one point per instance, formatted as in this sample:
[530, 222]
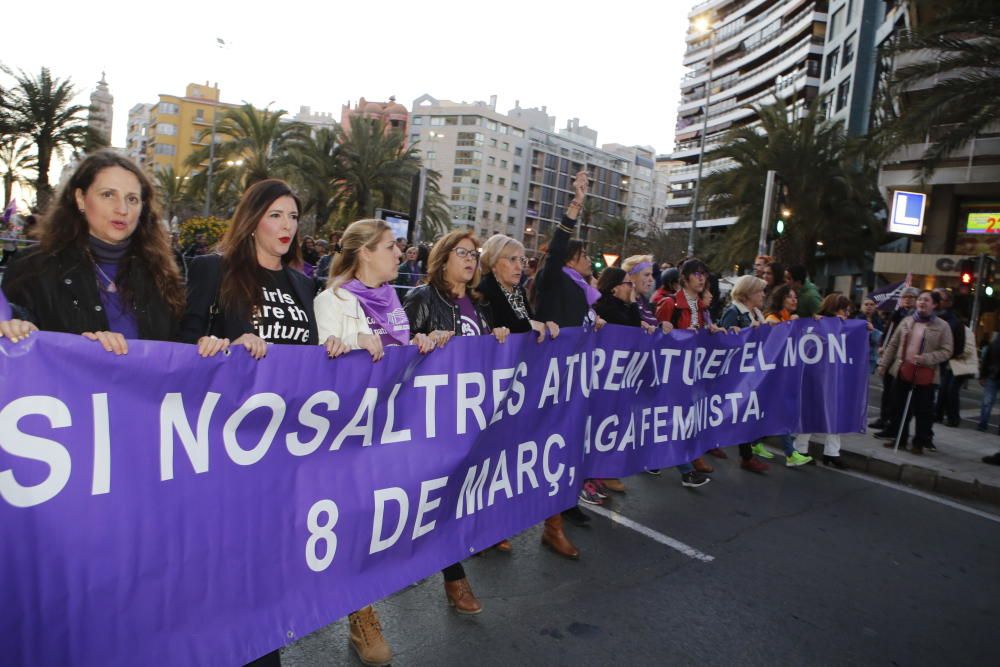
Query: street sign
[983, 223]
[907, 215]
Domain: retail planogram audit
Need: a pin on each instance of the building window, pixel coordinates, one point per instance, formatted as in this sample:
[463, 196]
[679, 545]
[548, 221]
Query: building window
[518, 151]
[431, 155]
[510, 220]
[836, 21]
[513, 203]
[848, 50]
[465, 175]
[470, 120]
[437, 121]
[497, 217]
[168, 129]
[414, 138]
[491, 125]
[831, 64]
[468, 157]
[503, 181]
[493, 143]
[517, 169]
[514, 185]
[843, 91]
[199, 114]
[165, 149]
[505, 146]
[499, 199]
[168, 108]
[491, 161]
[489, 178]
[470, 139]
[418, 120]
[487, 196]
[503, 164]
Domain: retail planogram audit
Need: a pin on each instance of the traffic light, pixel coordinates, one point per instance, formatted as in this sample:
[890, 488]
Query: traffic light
[781, 212]
[967, 271]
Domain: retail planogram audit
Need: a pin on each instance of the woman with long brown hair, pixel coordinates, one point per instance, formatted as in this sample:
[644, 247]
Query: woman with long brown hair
[448, 306]
[103, 267]
[248, 293]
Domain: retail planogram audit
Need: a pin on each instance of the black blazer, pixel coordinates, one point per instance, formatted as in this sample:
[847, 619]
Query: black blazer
[204, 312]
[557, 297]
[428, 310]
[615, 311]
[59, 293]
[503, 314]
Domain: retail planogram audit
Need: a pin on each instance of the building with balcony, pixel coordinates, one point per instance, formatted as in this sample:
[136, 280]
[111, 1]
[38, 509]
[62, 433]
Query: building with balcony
[176, 123]
[752, 53]
[137, 132]
[642, 165]
[480, 156]
[851, 61]
[394, 115]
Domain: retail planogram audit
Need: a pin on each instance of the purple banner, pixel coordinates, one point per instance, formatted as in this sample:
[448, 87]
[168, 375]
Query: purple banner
[160, 508]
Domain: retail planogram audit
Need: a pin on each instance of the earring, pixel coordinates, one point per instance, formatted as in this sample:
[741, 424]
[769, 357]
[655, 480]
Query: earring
[82, 211]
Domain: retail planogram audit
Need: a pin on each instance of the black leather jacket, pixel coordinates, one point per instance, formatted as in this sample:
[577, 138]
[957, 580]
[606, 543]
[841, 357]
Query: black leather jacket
[59, 293]
[428, 310]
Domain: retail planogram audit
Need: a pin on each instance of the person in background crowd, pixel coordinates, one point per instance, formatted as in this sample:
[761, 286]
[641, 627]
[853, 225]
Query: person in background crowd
[869, 314]
[686, 309]
[328, 252]
[640, 273]
[913, 356]
[447, 306]
[744, 312]
[103, 267]
[947, 407]
[528, 277]
[563, 293]
[411, 271]
[774, 276]
[670, 282]
[502, 264]
[904, 308]
[989, 377]
[401, 244]
[760, 263]
[196, 248]
[310, 255]
[781, 305]
[361, 308]
[807, 292]
[834, 305]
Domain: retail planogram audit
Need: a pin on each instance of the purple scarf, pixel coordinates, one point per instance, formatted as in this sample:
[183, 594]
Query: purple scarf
[918, 318]
[588, 291]
[382, 306]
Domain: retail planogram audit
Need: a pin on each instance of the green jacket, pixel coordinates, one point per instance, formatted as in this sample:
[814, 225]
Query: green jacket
[808, 300]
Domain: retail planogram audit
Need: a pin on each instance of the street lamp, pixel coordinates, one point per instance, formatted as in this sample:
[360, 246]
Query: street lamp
[702, 24]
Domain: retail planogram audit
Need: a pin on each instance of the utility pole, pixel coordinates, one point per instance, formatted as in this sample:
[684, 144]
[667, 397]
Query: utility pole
[765, 218]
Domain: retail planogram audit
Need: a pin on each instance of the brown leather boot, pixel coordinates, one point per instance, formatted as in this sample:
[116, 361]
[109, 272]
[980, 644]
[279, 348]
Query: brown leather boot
[461, 597]
[366, 638]
[701, 465]
[554, 538]
[504, 545]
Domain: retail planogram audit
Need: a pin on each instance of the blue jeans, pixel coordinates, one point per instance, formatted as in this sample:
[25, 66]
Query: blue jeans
[685, 468]
[986, 407]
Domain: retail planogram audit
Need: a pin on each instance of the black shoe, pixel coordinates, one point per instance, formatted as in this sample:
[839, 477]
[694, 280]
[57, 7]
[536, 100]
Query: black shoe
[576, 516]
[929, 446]
[694, 479]
[835, 462]
[992, 459]
[878, 423]
[953, 423]
[655, 472]
[884, 435]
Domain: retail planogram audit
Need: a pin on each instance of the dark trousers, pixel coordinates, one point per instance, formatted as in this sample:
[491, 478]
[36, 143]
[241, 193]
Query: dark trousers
[921, 409]
[453, 572]
[745, 452]
[885, 409]
[948, 395]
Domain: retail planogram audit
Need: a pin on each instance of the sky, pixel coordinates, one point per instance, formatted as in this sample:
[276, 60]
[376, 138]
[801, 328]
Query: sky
[615, 65]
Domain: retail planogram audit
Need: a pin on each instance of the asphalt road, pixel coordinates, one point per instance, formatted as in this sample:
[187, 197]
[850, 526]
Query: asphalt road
[799, 567]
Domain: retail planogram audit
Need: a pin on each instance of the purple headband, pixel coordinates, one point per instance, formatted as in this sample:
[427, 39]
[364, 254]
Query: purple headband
[640, 267]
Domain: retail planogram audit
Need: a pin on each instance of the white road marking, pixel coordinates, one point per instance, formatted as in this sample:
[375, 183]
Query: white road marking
[917, 492]
[656, 536]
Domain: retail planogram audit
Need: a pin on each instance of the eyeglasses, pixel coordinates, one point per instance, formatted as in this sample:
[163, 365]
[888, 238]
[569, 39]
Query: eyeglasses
[697, 274]
[515, 259]
[628, 282]
[465, 253]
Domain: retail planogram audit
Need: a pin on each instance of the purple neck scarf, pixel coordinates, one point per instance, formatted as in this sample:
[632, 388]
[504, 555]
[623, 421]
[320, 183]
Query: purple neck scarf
[382, 306]
[588, 291]
[917, 317]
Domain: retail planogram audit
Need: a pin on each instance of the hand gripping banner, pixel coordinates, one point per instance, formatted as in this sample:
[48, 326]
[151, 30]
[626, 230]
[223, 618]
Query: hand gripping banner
[160, 508]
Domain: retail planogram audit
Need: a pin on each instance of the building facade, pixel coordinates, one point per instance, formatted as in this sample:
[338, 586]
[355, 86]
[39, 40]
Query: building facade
[752, 53]
[137, 132]
[102, 112]
[394, 115]
[176, 124]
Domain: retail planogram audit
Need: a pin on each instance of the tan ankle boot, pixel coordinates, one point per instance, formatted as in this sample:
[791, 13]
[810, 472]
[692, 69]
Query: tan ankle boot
[366, 638]
[461, 597]
[554, 538]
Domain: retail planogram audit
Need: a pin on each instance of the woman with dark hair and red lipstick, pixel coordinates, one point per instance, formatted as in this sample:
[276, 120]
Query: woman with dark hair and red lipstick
[247, 292]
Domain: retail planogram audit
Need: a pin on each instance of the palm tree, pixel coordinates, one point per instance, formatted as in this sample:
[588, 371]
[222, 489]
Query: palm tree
[378, 167]
[255, 141]
[174, 190]
[958, 51]
[318, 172]
[436, 219]
[39, 109]
[829, 192]
[616, 235]
[17, 160]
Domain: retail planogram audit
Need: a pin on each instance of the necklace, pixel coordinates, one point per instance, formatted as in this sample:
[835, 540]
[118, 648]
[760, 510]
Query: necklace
[110, 288]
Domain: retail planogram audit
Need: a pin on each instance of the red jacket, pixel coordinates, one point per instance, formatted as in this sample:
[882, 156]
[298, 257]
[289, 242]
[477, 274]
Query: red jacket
[675, 309]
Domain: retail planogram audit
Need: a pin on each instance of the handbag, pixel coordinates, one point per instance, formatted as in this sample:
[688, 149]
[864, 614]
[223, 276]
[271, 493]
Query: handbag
[919, 376]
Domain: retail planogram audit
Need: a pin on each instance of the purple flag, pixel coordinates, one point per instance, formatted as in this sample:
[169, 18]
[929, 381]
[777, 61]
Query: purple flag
[158, 508]
[9, 211]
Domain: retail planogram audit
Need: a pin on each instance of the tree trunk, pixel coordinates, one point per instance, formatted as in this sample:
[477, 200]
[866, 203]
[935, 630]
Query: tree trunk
[43, 191]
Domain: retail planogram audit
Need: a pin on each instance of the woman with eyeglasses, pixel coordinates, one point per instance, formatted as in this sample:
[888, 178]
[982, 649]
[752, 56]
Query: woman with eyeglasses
[503, 263]
[445, 306]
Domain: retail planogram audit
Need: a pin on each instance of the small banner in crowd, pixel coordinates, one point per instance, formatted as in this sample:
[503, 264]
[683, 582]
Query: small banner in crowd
[159, 508]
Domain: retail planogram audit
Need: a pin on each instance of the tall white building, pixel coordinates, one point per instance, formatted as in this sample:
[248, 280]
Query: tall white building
[479, 154]
[137, 132]
[752, 53]
[642, 164]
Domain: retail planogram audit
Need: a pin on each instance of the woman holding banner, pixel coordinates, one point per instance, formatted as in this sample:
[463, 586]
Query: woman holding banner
[103, 267]
[360, 308]
[247, 294]
[447, 306]
[781, 305]
[502, 264]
